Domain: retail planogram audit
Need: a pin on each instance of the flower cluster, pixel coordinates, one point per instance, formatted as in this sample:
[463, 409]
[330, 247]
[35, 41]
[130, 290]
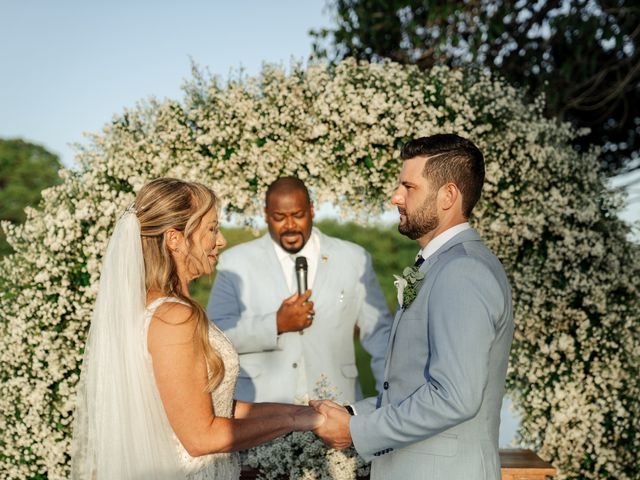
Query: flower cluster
[546, 212]
[407, 285]
[303, 456]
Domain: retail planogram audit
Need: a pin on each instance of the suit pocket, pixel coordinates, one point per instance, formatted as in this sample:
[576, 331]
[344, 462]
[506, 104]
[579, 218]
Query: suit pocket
[441, 445]
[250, 371]
[349, 370]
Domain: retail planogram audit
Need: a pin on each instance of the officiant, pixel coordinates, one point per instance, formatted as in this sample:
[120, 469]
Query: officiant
[290, 342]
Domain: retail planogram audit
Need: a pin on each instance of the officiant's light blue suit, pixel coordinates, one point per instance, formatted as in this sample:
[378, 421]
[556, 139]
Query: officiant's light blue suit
[249, 288]
[439, 413]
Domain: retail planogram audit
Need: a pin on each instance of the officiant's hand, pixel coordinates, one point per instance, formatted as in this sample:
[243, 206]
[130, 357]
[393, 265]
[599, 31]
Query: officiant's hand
[295, 313]
[334, 432]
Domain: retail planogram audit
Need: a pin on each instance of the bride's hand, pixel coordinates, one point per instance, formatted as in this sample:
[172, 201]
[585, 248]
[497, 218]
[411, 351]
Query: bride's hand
[306, 418]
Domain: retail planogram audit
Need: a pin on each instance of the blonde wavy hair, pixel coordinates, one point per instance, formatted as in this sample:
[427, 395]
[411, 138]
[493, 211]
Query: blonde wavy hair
[167, 203]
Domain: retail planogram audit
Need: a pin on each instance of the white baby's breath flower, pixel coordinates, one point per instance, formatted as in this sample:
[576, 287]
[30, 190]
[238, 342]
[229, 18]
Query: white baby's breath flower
[302, 455]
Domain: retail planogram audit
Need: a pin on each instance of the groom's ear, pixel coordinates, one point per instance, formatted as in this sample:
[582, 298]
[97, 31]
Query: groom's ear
[448, 196]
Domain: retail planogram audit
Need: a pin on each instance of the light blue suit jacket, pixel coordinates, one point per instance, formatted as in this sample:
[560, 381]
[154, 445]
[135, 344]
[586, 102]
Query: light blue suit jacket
[250, 287]
[439, 413]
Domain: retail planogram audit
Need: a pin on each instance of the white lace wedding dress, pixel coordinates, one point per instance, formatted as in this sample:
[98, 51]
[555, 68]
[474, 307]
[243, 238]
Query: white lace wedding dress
[217, 466]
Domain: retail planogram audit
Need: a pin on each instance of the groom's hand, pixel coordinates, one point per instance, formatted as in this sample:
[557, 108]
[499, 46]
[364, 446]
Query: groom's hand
[295, 313]
[334, 432]
[306, 418]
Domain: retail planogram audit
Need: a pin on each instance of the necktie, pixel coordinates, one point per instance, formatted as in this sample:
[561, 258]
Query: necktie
[419, 261]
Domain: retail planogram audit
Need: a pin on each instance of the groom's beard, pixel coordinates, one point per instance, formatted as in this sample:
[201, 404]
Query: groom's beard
[420, 223]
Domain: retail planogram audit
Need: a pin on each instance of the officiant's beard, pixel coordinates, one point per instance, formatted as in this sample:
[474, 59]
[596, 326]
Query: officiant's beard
[297, 246]
[423, 221]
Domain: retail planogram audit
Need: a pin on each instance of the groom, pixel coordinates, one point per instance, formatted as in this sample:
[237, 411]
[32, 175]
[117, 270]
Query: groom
[439, 413]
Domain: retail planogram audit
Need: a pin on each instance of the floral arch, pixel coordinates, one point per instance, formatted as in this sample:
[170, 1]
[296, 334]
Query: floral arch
[574, 368]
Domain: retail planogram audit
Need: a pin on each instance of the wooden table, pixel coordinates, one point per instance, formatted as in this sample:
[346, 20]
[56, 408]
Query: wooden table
[524, 465]
[516, 465]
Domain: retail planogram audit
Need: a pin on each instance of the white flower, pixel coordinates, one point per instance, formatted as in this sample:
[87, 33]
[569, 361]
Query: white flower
[302, 455]
[400, 284]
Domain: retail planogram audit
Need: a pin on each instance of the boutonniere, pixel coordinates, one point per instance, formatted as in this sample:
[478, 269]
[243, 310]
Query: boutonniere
[407, 286]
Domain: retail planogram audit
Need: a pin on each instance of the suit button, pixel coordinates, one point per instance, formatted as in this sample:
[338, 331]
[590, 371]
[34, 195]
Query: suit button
[386, 385]
[295, 365]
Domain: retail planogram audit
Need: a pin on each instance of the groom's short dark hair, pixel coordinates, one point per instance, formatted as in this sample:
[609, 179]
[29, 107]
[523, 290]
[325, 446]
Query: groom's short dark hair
[451, 158]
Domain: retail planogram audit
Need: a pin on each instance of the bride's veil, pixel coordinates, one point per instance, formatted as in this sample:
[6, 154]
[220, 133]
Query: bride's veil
[121, 430]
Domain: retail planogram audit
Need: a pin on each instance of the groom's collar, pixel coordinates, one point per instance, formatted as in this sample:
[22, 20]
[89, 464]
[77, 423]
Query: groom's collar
[434, 245]
[467, 235]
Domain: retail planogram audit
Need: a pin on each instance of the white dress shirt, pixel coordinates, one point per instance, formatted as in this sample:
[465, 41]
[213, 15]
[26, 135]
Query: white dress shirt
[438, 241]
[311, 250]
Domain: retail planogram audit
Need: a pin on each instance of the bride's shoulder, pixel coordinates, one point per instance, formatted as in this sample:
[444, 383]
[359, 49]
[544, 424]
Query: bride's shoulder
[173, 312]
[172, 322]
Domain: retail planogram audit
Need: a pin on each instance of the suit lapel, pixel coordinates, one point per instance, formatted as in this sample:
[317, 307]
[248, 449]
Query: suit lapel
[465, 236]
[424, 268]
[392, 337]
[272, 265]
[325, 261]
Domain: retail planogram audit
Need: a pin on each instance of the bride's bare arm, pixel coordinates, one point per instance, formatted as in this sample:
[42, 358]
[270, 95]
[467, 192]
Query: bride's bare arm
[181, 376]
[264, 409]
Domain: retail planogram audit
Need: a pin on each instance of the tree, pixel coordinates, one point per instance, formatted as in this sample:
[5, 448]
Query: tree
[25, 170]
[583, 55]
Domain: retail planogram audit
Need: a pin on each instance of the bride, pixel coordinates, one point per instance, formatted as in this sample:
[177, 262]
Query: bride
[155, 397]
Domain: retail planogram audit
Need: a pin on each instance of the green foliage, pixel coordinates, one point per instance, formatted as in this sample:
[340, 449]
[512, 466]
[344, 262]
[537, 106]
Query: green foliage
[583, 56]
[25, 170]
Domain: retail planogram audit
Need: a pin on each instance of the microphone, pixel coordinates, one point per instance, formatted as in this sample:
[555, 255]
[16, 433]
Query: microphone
[301, 274]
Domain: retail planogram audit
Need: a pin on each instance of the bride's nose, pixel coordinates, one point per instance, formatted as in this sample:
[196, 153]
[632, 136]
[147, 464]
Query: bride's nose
[221, 242]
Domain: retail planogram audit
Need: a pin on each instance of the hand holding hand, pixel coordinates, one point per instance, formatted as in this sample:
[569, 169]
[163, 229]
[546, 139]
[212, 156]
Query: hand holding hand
[295, 313]
[334, 432]
[306, 418]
